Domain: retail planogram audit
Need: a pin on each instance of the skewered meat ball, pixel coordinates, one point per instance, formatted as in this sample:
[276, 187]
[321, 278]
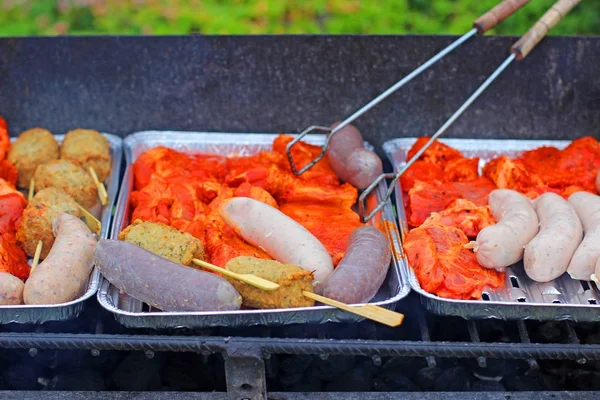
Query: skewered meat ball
[87, 148]
[38, 217]
[71, 178]
[32, 148]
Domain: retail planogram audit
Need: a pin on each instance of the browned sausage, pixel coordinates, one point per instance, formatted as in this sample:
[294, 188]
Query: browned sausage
[350, 160]
[161, 283]
[360, 274]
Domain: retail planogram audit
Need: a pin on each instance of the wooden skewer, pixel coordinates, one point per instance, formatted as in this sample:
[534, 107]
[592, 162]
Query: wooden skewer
[36, 256]
[369, 311]
[250, 279]
[91, 221]
[101, 189]
[31, 190]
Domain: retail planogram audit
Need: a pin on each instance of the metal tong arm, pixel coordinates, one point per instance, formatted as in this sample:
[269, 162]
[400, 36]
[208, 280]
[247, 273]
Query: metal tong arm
[518, 51]
[481, 25]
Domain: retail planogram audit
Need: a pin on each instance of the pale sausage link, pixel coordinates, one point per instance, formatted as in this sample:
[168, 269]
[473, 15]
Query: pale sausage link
[587, 207]
[548, 255]
[62, 275]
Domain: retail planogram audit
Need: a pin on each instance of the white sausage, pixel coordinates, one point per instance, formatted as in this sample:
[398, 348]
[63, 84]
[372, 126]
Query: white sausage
[277, 234]
[11, 289]
[547, 256]
[62, 275]
[587, 207]
[500, 245]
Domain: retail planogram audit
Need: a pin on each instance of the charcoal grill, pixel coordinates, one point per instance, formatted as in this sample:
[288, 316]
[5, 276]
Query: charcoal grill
[274, 84]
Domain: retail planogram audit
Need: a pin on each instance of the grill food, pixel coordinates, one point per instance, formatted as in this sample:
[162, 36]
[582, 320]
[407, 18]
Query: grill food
[161, 283]
[11, 289]
[164, 241]
[434, 184]
[87, 148]
[32, 148]
[280, 236]
[62, 276]
[360, 274]
[38, 217]
[502, 244]
[71, 178]
[587, 207]
[12, 257]
[349, 158]
[292, 282]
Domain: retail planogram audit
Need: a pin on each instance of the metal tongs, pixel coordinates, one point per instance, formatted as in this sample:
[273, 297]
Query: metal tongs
[518, 51]
[483, 24]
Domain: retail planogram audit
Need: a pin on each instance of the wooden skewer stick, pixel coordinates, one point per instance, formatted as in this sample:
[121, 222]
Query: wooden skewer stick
[36, 256]
[91, 221]
[250, 279]
[31, 190]
[101, 189]
[369, 311]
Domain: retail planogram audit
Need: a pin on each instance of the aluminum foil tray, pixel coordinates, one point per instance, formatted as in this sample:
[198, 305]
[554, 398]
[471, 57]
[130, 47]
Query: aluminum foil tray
[134, 314]
[520, 298]
[37, 314]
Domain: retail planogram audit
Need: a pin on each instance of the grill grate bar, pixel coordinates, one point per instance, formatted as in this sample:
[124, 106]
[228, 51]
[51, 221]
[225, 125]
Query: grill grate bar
[301, 346]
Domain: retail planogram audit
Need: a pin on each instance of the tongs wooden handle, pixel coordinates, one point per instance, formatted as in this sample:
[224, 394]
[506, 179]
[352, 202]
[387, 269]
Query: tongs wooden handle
[537, 32]
[498, 14]
[518, 51]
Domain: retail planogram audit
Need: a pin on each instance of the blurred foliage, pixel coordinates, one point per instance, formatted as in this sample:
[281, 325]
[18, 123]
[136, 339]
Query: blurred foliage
[160, 17]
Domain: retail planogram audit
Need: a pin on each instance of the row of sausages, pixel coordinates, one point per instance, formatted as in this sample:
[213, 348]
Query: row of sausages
[552, 235]
[173, 287]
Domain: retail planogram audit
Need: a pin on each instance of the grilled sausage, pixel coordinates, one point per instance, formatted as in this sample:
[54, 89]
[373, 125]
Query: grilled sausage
[547, 256]
[278, 235]
[359, 275]
[350, 160]
[11, 289]
[62, 275]
[500, 245]
[583, 263]
[598, 182]
[161, 283]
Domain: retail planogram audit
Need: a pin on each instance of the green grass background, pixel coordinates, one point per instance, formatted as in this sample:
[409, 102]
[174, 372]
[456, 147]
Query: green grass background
[161, 17]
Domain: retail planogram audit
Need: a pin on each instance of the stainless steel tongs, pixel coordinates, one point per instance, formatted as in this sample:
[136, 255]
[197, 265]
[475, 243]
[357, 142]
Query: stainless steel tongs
[518, 51]
[483, 24]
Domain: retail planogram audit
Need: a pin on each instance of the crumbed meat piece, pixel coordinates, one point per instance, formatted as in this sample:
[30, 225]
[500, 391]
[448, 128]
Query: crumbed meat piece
[71, 178]
[164, 241]
[38, 217]
[292, 282]
[87, 148]
[32, 148]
